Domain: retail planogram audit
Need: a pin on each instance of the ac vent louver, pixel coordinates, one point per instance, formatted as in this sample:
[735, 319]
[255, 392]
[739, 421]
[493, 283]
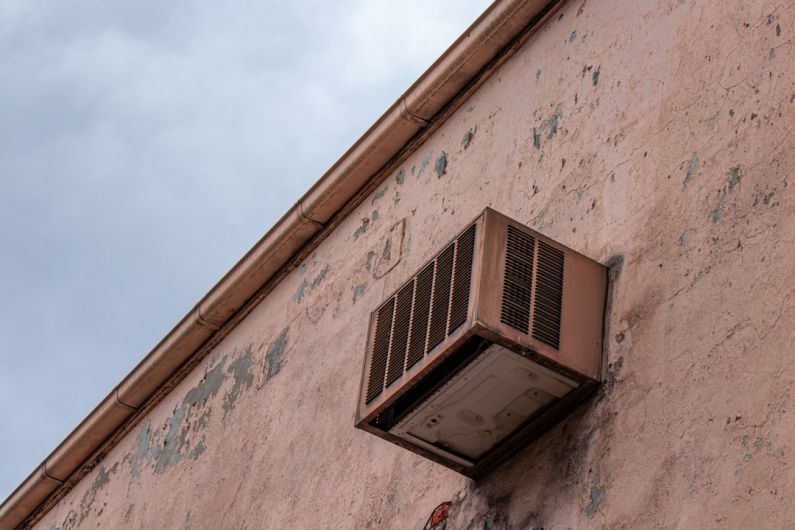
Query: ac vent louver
[549, 295]
[517, 286]
[488, 345]
[425, 311]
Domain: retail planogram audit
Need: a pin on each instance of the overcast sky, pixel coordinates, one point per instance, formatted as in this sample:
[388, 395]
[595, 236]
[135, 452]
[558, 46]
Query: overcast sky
[144, 147]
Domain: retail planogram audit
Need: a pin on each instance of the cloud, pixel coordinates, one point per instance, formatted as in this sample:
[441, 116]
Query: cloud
[144, 147]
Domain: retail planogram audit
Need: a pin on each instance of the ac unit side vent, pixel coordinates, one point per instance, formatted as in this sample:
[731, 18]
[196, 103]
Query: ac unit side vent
[383, 330]
[421, 314]
[549, 295]
[518, 280]
[459, 307]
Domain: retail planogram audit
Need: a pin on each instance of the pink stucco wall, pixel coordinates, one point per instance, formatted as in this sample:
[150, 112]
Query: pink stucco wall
[654, 135]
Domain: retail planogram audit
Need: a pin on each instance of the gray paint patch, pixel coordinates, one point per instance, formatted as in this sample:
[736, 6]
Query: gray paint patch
[597, 495]
[716, 214]
[552, 123]
[362, 229]
[573, 36]
[273, 357]
[684, 237]
[691, 169]
[424, 164]
[468, 137]
[380, 193]
[400, 177]
[320, 276]
[375, 215]
[734, 177]
[536, 138]
[370, 257]
[143, 447]
[441, 164]
[299, 293]
[596, 74]
[240, 369]
[358, 291]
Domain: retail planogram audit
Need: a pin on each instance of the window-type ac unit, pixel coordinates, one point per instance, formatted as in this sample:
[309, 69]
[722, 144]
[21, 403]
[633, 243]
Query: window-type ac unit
[492, 342]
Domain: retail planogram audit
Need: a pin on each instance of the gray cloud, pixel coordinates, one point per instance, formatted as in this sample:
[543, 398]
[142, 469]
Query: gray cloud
[144, 147]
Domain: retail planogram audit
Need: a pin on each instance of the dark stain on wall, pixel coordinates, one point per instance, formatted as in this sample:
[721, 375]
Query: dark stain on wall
[400, 177]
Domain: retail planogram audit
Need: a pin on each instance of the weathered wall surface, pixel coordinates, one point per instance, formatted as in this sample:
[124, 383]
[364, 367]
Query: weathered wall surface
[657, 133]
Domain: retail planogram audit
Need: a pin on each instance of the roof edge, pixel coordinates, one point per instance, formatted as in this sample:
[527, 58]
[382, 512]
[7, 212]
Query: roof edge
[445, 85]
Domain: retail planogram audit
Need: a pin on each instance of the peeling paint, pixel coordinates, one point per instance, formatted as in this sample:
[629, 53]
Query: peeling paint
[273, 357]
[596, 74]
[552, 123]
[684, 237]
[468, 136]
[299, 293]
[573, 36]
[597, 495]
[441, 164]
[363, 228]
[424, 164]
[734, 177]
[400, 177]
[375, 215]
[320, 276]
[240, 369]
[370, 258]
[536, 138]
[358, 291]
[691, 169]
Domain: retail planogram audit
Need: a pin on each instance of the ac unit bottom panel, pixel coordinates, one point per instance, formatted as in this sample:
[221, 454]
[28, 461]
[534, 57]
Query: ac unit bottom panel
[490, 398]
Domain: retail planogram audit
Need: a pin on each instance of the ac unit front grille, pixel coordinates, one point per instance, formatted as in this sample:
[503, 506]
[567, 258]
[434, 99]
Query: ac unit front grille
[548, 295]
[427, 309]
[419, 321]
[441, 297]
[518, 280]
[383, 330]
[465, 249]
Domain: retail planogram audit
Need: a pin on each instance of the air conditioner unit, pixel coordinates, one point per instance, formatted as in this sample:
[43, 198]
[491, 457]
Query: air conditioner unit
[491, 343]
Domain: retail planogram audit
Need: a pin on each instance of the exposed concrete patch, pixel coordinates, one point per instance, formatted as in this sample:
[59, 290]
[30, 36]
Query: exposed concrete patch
[273, 357]
[441, 165]
[240, 369]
